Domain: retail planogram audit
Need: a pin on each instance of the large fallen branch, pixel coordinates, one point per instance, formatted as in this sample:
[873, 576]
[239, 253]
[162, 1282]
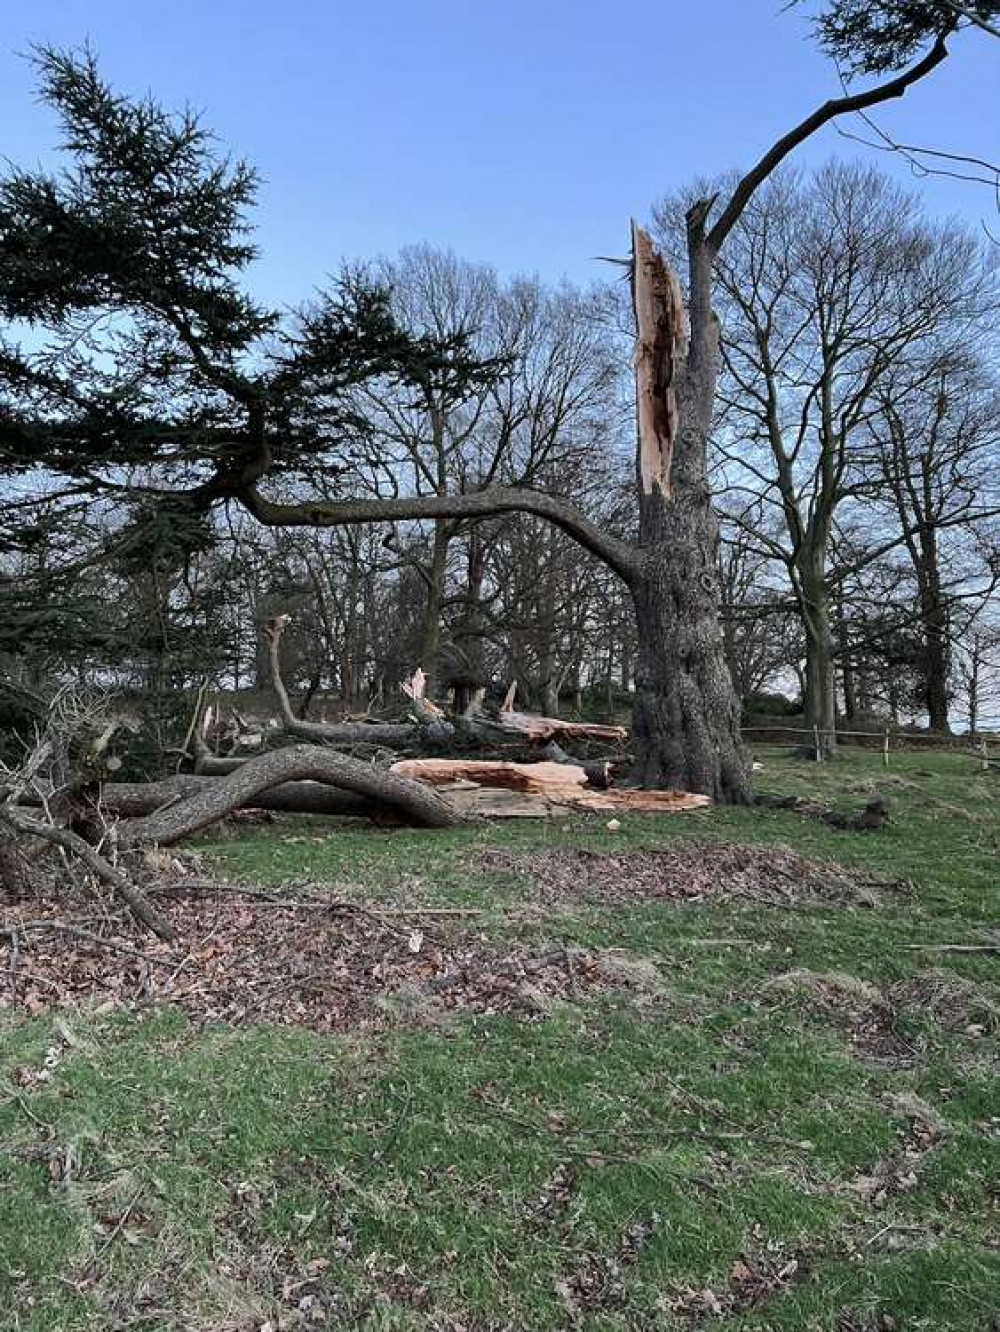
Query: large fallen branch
[390, 734]
[477, 722]
[432, 726]
[129, 800]
[240, 788]
[545, 784]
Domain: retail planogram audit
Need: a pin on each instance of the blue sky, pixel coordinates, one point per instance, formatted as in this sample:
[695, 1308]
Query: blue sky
[515, 132]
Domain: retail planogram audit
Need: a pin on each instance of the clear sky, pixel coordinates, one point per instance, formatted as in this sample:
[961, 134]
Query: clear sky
[519, 132]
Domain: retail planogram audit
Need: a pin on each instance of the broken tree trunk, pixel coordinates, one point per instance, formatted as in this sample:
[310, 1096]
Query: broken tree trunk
[205, 806]
[433, 727]
[558, 784]
[477, 723]
[554, 780]
[389, 734]
[686, 715]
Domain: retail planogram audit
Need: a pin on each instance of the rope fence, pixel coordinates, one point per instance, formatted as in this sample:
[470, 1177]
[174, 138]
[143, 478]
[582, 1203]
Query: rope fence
[821, 736]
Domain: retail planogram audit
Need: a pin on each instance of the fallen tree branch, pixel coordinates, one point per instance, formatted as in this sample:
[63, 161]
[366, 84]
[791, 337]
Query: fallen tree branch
[390, 734]
[69, 841]
[296, 763]
[134, 799]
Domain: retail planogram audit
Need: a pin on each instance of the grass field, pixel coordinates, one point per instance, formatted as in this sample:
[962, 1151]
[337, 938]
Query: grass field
[786, 1115]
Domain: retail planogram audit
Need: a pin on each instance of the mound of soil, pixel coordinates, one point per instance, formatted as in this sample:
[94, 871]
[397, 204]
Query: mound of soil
[687, 871]
[241, 955]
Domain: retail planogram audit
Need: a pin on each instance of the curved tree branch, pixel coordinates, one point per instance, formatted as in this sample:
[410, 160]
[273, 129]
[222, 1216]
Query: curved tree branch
[340, 733]
[129, 800]
[836, 106]
[241, 787]
[618, 555]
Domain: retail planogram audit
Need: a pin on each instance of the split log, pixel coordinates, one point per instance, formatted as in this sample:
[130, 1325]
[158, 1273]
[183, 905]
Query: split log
[205, 806]
[550, 784]
[552, 780]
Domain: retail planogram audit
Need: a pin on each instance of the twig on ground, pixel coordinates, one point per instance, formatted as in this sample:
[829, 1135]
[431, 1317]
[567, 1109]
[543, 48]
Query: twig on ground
[119, 1227]
[64, 927]
[953, 948]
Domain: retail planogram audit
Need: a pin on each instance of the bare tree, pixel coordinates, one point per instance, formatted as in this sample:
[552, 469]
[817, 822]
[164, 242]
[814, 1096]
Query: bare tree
[829, 287]
[939, 445]
[163, 262]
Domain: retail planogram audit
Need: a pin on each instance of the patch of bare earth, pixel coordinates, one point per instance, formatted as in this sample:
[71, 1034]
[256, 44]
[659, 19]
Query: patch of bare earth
[245, 955]
[687, 871]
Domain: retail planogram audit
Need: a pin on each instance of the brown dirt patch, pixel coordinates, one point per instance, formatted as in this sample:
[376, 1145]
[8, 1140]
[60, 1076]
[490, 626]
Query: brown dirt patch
[688, 871]
[241, 955]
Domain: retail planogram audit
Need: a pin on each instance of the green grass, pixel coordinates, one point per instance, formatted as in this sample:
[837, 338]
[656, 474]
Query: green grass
[602, 1168]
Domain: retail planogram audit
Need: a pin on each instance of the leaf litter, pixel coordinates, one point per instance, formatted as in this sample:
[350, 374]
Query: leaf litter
[244, 955]
[689, 871]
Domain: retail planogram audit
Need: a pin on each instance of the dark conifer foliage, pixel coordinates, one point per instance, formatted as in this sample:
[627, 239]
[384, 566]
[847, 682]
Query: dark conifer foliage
[880, 36]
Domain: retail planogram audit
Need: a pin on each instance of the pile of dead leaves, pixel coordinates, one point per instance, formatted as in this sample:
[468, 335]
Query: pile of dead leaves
[688, 871]
[242, 954]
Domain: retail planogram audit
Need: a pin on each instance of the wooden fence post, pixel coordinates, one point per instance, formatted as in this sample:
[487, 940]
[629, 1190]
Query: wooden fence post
[885, 748]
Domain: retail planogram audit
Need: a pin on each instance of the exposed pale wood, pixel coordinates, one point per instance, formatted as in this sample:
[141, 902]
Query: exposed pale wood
[548, 779]
[415, 688]
[660, 352]
[551, 728]
[647, 802]
[539, 786]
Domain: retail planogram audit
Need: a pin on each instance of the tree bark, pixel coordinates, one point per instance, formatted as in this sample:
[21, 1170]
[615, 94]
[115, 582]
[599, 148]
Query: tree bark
[686, 715]
[820, 698]
[846, 668]
[130, 800]
[296, 763]
[436, 575]
[937, 646]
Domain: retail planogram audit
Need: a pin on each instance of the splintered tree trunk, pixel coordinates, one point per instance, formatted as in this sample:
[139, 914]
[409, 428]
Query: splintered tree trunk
[686, 715]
